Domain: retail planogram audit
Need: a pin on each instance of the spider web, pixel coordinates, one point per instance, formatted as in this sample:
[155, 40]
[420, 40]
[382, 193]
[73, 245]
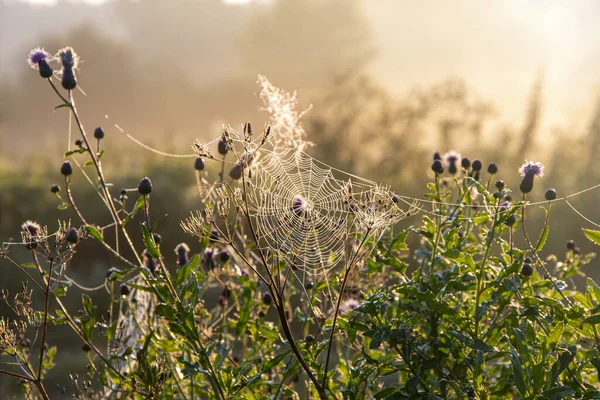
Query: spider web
[306, 212]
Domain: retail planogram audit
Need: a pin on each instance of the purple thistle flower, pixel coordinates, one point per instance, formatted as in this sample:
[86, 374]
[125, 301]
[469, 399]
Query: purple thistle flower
[68, 57]
[529, 171]
[451, 158]
[532, 168]
[36, 56]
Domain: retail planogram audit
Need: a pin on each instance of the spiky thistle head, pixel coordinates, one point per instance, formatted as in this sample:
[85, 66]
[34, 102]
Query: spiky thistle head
[68, 58]
[532, 168]
[451, 160]
[36, 56]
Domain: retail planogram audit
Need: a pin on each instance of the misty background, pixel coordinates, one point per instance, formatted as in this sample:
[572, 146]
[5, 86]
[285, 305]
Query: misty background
[391, 82]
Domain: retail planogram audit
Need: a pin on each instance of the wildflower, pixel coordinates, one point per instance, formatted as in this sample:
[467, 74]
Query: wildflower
[145, 186]
[182, 250]
[529, 171]
[149, 261]
[299, 205]
[70, 61]
[209, 262]
[72, 236]
[66, 169]
[550, 194]
[38, 59]
[450, 160]
[199, 164]
[492, 168]
[348, 305]
[99, 133]
[437, 167]
[30, 231]
[55, 189]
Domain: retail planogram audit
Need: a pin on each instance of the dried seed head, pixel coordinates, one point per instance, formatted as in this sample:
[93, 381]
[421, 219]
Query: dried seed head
[31, 228]
[145, 186]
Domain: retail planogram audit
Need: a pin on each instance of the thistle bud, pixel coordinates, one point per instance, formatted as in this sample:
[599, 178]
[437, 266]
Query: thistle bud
[55, 189]
[510, 220]
[466, 163]
[99, 133]
[436, 156]
[226, 292]
[527, 270]
[309, 338]
[570, 245]
[308, 285]
[550, 194]
[69, 60]
[72, 236]
[66, 169]
[529, 171]
[209, 263]
[182, 250]
[236, 172]
[477, 165]
[157, 238]
[199, 164]
[68, 81]
[149, 261]
[224, 256]
[145, 186]
[222, 147]
[437, 167]
[125, 290]
[492, 168]
[267, 299]
[500, 185]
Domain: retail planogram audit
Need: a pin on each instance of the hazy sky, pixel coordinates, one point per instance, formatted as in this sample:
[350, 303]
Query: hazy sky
[498, 46]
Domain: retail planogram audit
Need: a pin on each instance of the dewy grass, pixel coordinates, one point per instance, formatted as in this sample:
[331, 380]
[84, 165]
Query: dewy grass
[298, 285]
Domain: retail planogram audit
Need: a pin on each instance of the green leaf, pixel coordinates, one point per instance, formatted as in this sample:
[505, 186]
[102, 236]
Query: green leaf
[268, 365]
[62, 206]
[543, 237]
[64, 105]
[139, 204]
[149, 242]
[93, 232]
[184, 272]
[386, 392]
[593, 320]
[593, 235]
[88, 163]
[518, 372]
[555, 335]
